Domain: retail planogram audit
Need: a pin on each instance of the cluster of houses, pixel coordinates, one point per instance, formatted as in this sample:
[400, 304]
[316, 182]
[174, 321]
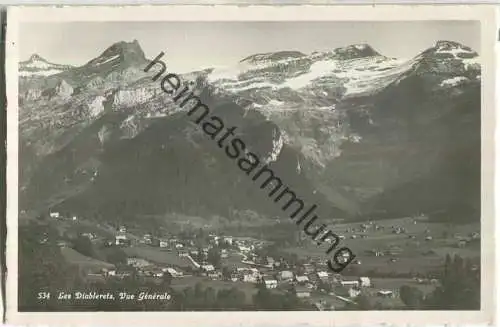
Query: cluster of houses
[138, 267]
[272, 273]
[307, 278]
[58, 216]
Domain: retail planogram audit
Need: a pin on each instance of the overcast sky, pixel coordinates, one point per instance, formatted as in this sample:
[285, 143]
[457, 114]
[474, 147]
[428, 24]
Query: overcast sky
[193, 45]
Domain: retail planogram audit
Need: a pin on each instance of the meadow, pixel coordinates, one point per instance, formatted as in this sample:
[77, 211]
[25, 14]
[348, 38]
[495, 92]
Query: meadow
[158, 255]
[420, 249]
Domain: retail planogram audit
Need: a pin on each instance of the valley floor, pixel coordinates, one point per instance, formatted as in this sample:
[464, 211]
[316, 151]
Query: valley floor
[389, 253]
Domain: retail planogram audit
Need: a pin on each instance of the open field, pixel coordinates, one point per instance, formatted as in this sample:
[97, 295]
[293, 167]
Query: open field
[234, 260]
[82, 261]
[411, 251]
[396, 283]
[158, 255]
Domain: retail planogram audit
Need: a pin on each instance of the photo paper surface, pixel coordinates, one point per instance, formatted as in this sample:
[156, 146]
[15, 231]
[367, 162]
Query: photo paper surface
[250, 165]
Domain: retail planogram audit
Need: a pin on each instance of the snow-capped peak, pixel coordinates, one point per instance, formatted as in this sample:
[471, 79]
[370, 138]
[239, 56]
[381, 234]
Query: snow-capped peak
[38, 66]
[36, 61]
[451, 49]
[36, 57]
[447, 45]
[356, 51]
[272, 56]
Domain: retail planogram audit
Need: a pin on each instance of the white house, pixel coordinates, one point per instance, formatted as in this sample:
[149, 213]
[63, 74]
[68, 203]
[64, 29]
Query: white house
[148, 238]
[164, 244]
[249, 278]
[90, 236]
[244, 248]
[158, 273]
[120, 239]
[302, 279]
[353, 292]
[173, 272]
[323, 275]
[302, 292]
[123, 229]
[208, 268]
[349, 283]
[54, 215]
[286, 275]
[364, 282]
[214, 275]
[228, 239]
[270, 282]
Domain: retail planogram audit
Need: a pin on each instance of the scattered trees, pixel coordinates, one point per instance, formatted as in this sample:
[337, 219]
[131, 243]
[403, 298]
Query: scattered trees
[411, 296]
[213, 257]
[460, 287]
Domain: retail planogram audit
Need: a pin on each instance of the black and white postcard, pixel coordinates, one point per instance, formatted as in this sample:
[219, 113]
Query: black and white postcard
[233, 165]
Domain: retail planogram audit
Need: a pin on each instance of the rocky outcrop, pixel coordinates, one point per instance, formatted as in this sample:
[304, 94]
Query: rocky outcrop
[132, 97]
[277, 146]
[63, 90]
[96, 107]
[96, 82]
[32, 94]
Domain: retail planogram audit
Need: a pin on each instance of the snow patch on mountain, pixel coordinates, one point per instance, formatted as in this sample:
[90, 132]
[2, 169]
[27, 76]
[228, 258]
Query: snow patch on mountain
[472, 63]
[102, 61]
[103, 134]
[458, 50]
[278, 142]
[360, 46]
[250, 86]
[358, 75]
[130, 127]
[37, 62]
[225, 73]
[454, 81]
[318, 69]
[44, 73]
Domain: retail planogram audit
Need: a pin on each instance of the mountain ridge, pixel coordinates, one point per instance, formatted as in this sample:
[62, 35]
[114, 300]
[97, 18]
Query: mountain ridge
[36, 65]
[336, 118]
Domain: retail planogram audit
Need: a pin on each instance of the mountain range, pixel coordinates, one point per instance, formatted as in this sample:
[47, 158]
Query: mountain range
[358, 133]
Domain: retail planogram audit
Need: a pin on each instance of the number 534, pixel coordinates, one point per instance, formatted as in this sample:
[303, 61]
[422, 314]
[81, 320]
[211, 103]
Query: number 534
[43, 296]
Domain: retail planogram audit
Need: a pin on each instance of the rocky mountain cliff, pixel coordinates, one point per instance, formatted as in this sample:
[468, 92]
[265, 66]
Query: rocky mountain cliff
[355, 132]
